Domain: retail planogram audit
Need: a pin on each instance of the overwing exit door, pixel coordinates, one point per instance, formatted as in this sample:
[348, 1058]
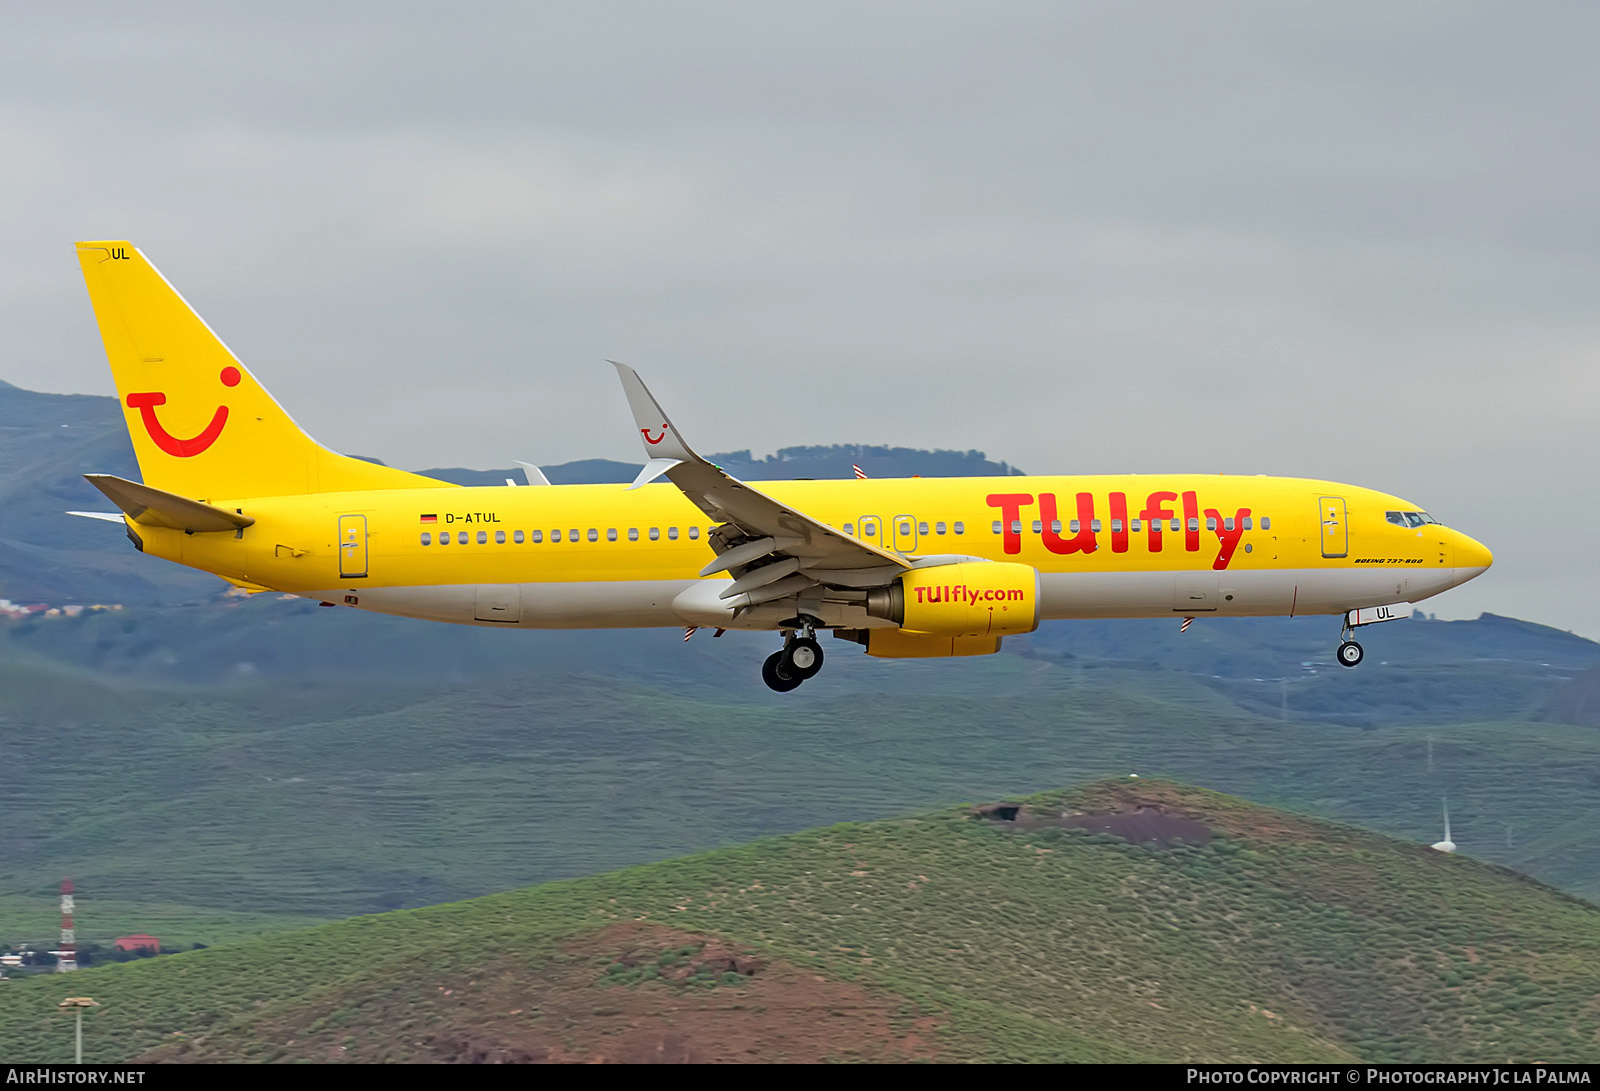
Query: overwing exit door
[905, 533]
[1335, 534]
[352, 547]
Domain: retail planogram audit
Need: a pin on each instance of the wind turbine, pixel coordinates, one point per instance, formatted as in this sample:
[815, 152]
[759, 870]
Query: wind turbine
[1446, 845]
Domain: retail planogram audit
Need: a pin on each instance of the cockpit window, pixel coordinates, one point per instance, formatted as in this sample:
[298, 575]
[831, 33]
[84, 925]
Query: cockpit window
[1409, 518]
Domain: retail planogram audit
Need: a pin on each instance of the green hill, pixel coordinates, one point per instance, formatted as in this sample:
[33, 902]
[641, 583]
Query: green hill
[1232, 932]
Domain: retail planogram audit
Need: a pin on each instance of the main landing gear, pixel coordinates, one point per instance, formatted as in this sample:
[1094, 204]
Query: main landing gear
[1350, 653]
[801, 658]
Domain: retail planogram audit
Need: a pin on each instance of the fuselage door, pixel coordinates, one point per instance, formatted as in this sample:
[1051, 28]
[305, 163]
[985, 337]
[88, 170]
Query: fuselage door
[868, 527]
[352, 547]
[1195, 591]
[1335, 534]
[499, 602]
[904, 528]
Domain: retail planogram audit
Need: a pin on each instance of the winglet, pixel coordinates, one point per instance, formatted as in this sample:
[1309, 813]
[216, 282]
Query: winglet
[661, 439]
[534, 475]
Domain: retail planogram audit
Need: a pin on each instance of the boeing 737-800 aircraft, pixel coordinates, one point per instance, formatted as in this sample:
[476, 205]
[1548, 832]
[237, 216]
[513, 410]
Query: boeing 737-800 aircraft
[906, 568]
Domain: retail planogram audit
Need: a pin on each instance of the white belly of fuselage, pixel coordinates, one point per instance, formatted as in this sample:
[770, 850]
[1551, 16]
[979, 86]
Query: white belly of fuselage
[668, 603]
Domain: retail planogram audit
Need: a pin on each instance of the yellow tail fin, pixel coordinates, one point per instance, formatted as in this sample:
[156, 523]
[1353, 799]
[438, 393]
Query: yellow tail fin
[202, 425]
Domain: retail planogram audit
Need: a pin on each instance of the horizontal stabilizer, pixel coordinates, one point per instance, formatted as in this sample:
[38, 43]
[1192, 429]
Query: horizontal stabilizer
[155, 508]
[103, 516]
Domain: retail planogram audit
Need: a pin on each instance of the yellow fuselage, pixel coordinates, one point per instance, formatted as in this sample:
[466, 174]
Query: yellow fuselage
[1242, 545]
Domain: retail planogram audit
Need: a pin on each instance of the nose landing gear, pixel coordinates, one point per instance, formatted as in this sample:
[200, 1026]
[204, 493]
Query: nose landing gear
[801, 658]
[1350, 653]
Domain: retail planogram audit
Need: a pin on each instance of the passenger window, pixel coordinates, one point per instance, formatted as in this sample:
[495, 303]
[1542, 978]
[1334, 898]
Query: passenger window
[1227, 523]
[594, 535]
[849, 528]
[427, 539]
[961, 528]
[444, 537]
[517, 537]
[655, 534]
[694, 534]
[905, 530]
[461, 539]
[1116, 526]
[573, 536]
[1038, 526]
[1134, 524]
[611, 534]
[555, 536]
[483, 537]
[1094, 525]
[1194, 524]
[997, 526]
[633, 534]
[499, 537]
[1247, 522]
[1266, 524]
[1074, 526]
[938, 528]
[537, 536]
[922, 528]
[1016, 526]
[672, 534]
[869, 529]
[1211, 523]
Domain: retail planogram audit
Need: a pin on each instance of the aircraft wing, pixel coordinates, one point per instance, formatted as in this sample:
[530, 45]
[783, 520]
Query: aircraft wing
[754, 526]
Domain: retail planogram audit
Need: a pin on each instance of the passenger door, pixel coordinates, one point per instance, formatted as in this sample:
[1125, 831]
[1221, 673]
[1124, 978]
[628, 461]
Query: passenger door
[352, 547]
[1335, 534]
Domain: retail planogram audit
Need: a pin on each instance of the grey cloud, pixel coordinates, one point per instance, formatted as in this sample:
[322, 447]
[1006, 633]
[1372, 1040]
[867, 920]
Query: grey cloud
[1353, 242]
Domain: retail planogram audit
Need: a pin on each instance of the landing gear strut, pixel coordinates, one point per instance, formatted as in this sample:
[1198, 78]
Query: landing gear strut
[801, 658]
[1350, 653]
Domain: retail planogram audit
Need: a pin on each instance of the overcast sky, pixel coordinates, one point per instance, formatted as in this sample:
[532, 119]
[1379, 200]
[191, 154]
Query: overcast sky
[1353, 241]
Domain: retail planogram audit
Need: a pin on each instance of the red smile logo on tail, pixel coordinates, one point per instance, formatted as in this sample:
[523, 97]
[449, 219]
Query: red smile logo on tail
[146, 404]
[658, 439]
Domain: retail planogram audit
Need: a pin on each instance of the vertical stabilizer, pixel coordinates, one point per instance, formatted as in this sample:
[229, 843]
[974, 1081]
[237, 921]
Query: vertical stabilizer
[202, 425]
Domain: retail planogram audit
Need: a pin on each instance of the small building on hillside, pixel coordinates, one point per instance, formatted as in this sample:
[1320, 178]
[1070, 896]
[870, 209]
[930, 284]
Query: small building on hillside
[135, 942]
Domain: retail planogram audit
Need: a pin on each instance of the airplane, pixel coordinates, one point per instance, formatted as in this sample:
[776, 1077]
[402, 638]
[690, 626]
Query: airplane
[906, 568]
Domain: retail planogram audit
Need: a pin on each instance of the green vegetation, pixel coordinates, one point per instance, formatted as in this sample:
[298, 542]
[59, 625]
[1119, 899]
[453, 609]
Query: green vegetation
[271, 802]
[1283, 938]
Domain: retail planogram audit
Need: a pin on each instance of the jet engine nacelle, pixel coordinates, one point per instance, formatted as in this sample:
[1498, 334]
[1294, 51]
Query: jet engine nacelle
[971, 598]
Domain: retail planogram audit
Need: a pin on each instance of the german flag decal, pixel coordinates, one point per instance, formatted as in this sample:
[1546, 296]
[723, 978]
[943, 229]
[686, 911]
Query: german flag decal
[430, 518]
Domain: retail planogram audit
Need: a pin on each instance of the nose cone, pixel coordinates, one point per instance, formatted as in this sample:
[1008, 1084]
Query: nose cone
[1472, 557]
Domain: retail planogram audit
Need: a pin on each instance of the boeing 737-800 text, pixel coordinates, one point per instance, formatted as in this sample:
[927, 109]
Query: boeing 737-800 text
[908, 568]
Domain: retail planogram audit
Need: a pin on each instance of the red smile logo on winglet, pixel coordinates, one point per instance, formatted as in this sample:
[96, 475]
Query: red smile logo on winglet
[146, 404]
[658, 439]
